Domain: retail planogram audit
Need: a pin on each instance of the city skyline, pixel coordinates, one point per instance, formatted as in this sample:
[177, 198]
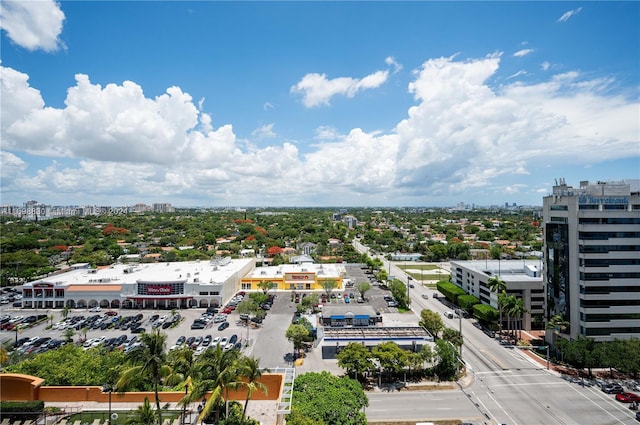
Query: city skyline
[288, 104]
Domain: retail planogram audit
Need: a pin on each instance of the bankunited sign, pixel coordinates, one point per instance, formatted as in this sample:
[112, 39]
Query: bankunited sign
[299, 276]
[606, 200]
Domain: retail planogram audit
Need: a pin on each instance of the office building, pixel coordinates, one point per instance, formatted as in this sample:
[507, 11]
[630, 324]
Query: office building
[592, 259]
[523, 279]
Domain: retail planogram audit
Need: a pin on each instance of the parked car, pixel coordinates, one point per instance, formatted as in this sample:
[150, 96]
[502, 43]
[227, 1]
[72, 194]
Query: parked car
[197, 325]
[627, 397]
[613, 388]
[223, 326]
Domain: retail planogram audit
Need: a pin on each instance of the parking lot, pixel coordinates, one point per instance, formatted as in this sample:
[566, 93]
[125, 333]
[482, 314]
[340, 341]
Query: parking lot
[266, 341]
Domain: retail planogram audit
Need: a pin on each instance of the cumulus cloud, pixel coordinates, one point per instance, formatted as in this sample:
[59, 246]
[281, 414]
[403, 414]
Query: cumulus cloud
[523, 52]
[461, 132]
[545, 66]
[568, 14]
[33, 25]
[11, 165]
[318, 90]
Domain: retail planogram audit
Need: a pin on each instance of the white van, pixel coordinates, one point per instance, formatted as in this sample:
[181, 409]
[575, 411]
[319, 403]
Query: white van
[449, 314]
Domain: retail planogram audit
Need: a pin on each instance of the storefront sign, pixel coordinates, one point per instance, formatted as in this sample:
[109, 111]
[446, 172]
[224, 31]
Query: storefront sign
[158, 289]
[299, 276]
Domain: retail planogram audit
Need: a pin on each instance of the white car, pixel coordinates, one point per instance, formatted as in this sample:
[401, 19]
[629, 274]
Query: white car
[95, 309]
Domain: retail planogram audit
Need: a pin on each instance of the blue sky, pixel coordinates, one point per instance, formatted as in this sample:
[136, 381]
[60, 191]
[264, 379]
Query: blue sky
[315, 103]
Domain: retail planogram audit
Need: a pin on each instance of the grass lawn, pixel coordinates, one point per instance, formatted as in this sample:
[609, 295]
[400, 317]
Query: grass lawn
[417, 266]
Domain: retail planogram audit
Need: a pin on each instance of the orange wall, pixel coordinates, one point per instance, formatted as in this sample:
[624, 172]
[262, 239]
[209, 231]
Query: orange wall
[25, 387]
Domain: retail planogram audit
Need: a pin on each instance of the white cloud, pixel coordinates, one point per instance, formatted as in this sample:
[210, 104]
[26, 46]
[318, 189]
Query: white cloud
[33, 25]
[545, 66]
[11, 165]
[391, 61]
[517, 74]
[264, 132]
[317, 90]
[460, 133]
[523, 52]
[267, 106]
[568, 14]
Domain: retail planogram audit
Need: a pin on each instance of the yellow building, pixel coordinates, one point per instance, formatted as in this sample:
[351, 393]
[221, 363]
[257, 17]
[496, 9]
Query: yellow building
[301, 277]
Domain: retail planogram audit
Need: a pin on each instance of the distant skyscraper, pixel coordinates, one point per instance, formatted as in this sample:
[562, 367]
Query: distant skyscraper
[592, 258]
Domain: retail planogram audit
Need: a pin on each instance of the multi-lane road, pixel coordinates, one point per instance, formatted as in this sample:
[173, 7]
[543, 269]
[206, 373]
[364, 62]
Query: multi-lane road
[503, 386]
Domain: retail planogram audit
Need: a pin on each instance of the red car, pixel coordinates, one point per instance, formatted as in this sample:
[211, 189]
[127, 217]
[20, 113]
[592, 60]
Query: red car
[628, 397]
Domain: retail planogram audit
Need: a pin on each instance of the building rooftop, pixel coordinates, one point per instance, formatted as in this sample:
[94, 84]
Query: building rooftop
[511, 270]
[277, 272]
[202, 272]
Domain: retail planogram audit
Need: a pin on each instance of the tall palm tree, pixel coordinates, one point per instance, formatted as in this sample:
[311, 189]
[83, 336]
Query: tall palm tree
[183, 370]
[214, 370]
[517, 311]
[498, 286]
[151, 362]
[251, 372]
[509, 302]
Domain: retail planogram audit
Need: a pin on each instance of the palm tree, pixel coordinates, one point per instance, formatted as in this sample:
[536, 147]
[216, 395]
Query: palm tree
[68, 334]
[65, 311]
[498, 286]
[214, 371]
[152, 361]
[250, 370]
[558, 323]
[508, 302]
[517, 311]
[183, 369]
[144, 415]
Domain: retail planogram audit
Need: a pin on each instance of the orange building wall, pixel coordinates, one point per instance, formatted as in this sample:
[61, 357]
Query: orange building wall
[24, 387]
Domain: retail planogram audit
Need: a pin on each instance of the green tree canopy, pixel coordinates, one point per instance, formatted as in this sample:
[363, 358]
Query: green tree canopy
[431, 321]
[355, 358]
[328, 399]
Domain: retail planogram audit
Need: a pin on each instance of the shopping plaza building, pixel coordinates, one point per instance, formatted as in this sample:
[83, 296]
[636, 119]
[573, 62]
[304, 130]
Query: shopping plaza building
[172, 285]
[147, 285]
[291, 277]
[592, 258]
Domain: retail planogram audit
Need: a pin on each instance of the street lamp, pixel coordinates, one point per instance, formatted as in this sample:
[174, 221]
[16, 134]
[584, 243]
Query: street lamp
[459, 311]
[108, 388]
[409, 279]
